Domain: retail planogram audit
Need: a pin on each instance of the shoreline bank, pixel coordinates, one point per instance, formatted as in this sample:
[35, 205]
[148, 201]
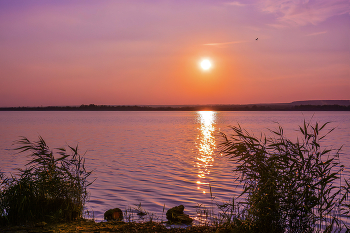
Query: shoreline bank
[84, 225]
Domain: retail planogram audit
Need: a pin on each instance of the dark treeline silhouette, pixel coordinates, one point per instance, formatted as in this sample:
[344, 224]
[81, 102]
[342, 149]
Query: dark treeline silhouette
[265, 107]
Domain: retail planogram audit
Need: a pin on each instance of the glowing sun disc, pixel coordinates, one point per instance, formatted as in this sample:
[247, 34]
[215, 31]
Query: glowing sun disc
[205, 64]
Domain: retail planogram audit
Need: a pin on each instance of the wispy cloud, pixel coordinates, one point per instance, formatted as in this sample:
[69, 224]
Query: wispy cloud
[277, 25]
[316, 33]
[235, 3]
[303, 12]
[226, 43]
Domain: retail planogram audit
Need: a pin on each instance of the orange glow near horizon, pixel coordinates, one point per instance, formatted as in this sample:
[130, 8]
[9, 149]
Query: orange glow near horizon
[50, 51]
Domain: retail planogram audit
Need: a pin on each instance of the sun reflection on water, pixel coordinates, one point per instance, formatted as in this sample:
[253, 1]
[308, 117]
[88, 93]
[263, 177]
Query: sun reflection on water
[206, 145]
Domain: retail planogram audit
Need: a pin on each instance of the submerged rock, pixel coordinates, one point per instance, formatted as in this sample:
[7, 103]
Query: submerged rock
[113, 214]
[41, 224]
[141, 213]
[176, 215]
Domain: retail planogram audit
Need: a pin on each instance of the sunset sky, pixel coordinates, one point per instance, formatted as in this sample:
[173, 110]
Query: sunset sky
[148, 52]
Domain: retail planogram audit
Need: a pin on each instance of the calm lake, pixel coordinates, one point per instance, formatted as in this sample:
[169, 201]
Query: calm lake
[157, 158]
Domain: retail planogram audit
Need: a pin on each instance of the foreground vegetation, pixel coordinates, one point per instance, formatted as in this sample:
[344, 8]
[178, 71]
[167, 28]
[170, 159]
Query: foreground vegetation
[288, 187]
[51, 188]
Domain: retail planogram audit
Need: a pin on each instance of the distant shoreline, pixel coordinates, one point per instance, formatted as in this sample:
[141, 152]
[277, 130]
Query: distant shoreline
[250, 107]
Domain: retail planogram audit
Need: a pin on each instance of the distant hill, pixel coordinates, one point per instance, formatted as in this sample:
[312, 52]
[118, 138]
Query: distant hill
[322, 102]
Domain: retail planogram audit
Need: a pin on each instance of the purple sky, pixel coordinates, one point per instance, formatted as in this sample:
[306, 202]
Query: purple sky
[147, 52]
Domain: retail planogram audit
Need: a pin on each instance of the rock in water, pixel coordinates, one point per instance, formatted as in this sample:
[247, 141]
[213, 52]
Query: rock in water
[41, 224]
[114, 214]
[176, 215]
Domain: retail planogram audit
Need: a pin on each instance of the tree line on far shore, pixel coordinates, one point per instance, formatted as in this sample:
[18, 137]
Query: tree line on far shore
[93, 107]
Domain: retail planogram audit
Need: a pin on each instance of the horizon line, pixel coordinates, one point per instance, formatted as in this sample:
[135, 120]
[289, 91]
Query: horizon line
[177, 105]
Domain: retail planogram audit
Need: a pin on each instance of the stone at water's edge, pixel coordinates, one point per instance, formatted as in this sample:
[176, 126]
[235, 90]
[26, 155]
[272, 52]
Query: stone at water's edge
[176, 215]
[114, 214]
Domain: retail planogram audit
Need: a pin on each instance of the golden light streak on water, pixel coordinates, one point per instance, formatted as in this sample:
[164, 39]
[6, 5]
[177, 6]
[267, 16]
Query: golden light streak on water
[206, 145]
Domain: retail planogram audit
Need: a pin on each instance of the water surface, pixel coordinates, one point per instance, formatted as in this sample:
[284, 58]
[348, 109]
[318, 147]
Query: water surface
[156, 158]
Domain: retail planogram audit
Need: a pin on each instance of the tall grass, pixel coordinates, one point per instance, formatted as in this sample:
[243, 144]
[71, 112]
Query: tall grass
[50, 188]
[345, 202]
[289, 186]
[3, 182]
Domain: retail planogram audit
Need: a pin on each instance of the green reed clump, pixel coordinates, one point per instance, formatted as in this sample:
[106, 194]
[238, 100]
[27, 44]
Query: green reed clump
[288, 185]
[51, 188]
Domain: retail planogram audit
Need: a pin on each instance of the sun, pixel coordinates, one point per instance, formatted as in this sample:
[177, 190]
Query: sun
[205, 64]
